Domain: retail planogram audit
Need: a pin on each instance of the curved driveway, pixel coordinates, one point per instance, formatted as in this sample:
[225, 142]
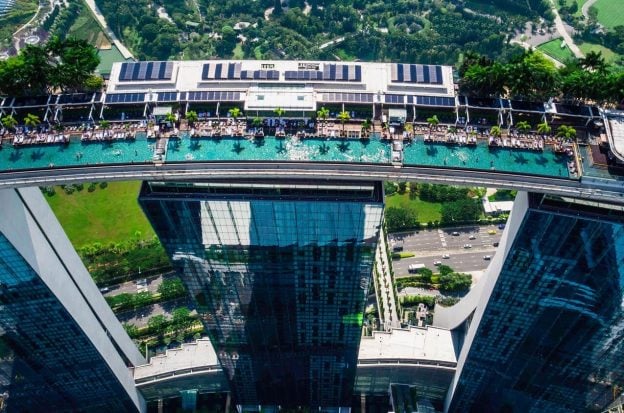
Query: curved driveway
[564, 33]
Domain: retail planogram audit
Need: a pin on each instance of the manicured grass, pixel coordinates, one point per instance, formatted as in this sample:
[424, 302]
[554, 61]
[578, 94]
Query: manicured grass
[105, 215]
[609, 55]
[427, 211]
[579, 3]
[553, 49]
[85, 27]
[610, 12]
[20, 13]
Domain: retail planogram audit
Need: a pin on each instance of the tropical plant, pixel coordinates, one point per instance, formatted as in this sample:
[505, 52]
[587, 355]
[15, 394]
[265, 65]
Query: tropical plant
[366, 126]
[593, 61]
[235, 113]
[170, 117]
[279, 112]
[104, 124]
[323, 113]
[343, 117]
[433, 121]
[256, 122]
[9, 122]
[496, 131]
[191, 117]
[31, 120]
[567, 132]
[544, 128]
[523, 126]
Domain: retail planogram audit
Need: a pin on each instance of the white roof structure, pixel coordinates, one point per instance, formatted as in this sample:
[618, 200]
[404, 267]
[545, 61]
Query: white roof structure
[199, 354]
[290, 84]
[496, 207]
[431, 343]
[614, 126]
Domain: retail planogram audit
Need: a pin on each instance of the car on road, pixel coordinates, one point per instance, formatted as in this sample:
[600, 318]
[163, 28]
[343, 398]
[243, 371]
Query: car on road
[495, 244]
[501, 226]
[455, 234]
[446, 256]
[104, 290]
[492, 232]
[467, 245]
[487, 257]
[437, 263]
[472, 237]
[412, 268]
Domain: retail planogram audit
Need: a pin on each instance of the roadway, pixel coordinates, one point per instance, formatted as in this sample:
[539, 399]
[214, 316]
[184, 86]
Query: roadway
[431, 245]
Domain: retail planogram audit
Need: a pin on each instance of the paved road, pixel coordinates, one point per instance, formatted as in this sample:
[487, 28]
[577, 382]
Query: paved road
[111, 35]
[430, 245]
[564, 33]
[131, 286]
[140, 317]
[586, 6]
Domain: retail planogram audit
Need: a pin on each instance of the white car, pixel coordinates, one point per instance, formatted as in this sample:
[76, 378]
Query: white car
[467, 245]
[437, 263]
[446, 256]
[472, 237]
[487, 257]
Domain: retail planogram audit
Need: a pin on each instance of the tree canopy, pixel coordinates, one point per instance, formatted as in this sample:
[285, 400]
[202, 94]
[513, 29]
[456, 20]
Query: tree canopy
[58, 66]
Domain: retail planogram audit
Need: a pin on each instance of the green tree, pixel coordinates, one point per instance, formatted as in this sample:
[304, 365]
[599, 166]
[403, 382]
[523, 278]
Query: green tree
[433, 121]
[496, 131]
[444, 269]
[31, 120]
[142, 299]
[366, 127]
[181, 316]
[399, 218]
[544, 128]
[94, 83]
[389, 188]
[170, 117]
[191, 117]
[235, 113]
[171, 288]
[343, 117]
[131, 330]
[8, 122]
[279, 112]
[593, 61]
[256, 122]
[104, 124]
[157, 324]
[463, 210]
[322, 113]
[455, 282]
[567, 132]
[523, 126]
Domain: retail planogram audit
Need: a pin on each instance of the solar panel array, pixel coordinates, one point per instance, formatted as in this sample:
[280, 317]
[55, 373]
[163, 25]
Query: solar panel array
[206, 96]
[167, 97]
[75, 98]
[395, 99]
[125, 98]
[232, 71]
[405, 73]
[431, 100]
[303, 75]
[145, 71]
[347, 97]
[339, 72]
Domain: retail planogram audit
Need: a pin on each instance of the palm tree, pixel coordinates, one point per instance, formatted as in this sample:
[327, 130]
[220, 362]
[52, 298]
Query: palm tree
[235, 113]
[31, 120]
[593, 61]
[544, 128]
[279, 112]
[191, 117]
[523, 126]
[104, 124]
[9, 122]
[496, 131]
[256, 122]
[566, 131]
[366, 126]
[343, 117]
[323, 113]
[433, 121]
[170, 117]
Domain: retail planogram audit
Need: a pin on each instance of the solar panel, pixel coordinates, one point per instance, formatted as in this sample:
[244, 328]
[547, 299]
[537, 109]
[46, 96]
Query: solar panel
[218, 68]
[230, 71]
[400, 75]
[182, 96]
[155, 70]
[358, 73]
[394, 72]
[237, 71]
[167, 96]
[426, 73]
[332, 72]
[273, 74]
[420, 77]
[205, 69]
[407, 73]
[438, 70]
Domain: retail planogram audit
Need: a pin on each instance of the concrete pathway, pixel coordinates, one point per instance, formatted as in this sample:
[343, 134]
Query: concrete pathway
[585, 8]
[111, 35]
[385, 285]
[564, 33]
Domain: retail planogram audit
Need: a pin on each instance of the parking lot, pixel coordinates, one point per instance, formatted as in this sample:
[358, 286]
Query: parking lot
[430, 246]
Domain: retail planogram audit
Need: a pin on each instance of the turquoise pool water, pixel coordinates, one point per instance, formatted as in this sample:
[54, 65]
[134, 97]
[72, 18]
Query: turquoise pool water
[75, 153]
[282, 149]
[481, 157]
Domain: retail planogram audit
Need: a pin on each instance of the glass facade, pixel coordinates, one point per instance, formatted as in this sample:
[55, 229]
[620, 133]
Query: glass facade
[279, 272]
[47, 364]
[551, 338]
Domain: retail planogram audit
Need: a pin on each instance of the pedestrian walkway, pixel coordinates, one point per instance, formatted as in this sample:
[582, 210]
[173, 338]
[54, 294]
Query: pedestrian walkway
[389, 318]
[100, 18]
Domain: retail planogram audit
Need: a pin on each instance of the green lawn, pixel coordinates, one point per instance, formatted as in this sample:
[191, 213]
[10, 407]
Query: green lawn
[579, 3]
[85, 27]
[610, 12]
[553, 49]
[427, 211]
[609, 55]
[105, 215]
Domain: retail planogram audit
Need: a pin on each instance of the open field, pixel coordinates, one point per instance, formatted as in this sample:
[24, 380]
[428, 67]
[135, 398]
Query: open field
[427, 211]
[85, 27]
[609, 55]
[579, 3]
[20, 13]
[553, 49]
[105, 215]
[610, 12]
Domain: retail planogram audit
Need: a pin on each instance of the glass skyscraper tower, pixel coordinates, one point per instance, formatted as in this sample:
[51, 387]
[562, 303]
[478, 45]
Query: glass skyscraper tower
[61, 347]
[548, 332]
[279, 271]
